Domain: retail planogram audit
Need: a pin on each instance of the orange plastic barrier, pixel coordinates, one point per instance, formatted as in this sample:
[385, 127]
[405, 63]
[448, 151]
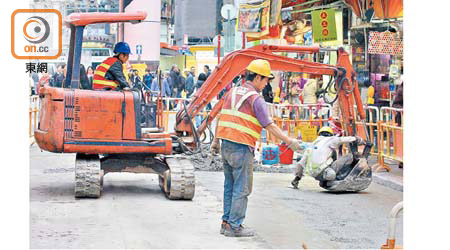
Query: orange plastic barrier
[390, 137]
[169, 114]
[294, 120]
[372, 119]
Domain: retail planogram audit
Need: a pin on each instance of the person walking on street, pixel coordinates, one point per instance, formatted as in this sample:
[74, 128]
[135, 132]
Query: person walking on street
[58, 77]
[268, 94]
[309, 92]
[174, 80]
[135, 79]
[165, 88]
[182, 82]
[147, 79]
[109, 74]
[193, 71]
[207, 71]
[198, 85]
[90, 74]
[189, 83]
[243, 116]
[35, 78]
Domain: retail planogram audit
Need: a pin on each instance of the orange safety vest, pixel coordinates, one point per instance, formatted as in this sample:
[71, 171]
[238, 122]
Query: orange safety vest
[237, 121]
[99, 80]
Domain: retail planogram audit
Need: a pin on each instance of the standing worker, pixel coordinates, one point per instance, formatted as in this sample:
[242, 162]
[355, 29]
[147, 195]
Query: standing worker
[109, 74]
[243, 116]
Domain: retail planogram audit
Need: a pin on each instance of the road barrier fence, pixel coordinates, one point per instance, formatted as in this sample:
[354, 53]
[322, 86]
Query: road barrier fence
[384, 125]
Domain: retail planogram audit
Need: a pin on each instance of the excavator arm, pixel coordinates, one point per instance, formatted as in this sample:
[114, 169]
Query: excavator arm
[234, 64]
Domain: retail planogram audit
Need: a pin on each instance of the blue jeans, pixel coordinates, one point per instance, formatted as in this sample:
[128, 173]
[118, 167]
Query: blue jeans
[238, 170]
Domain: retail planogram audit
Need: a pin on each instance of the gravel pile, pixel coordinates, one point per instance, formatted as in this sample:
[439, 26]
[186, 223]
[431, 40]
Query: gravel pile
[205, 161]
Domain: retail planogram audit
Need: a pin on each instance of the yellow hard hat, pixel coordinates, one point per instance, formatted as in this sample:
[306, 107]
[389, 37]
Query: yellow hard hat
[326, 129]
[260, 67]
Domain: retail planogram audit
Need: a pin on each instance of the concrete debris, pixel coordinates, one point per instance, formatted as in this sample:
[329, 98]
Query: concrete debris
[205, 161]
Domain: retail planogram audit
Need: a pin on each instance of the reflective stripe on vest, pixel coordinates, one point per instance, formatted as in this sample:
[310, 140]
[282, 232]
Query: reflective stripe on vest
[99, 80]
[237, 126]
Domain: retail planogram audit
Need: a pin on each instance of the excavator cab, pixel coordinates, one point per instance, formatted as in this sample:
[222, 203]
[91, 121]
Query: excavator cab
[105, 128]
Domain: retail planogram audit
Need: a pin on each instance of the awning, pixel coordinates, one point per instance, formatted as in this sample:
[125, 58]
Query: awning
[383, 8]
[168, 50]
[83, 19]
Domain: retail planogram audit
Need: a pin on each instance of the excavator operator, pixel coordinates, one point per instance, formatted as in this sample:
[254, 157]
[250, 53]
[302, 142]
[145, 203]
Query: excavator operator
[319, 160]
[109, 74]
[243, 116]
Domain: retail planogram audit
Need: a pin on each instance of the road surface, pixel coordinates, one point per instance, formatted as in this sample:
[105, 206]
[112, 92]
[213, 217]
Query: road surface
[134, 213]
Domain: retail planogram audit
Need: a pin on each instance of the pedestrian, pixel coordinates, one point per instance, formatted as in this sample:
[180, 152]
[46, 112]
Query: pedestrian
[398, 103]
[198, 85]
[243, 116]
[109, 74]
[267, 93]
[147, 79]
[201, 79]
[84, 80]
[174, 80]
[166, 91]
[90, 75]
[189, 83]
[207, 71]
[58, 77]
[309, 92]
[135, 79]
[35, 78]
[193, 71]
[182, 82]
[154, 88]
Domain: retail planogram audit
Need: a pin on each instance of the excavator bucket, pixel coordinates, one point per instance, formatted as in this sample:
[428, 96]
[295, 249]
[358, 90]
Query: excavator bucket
[357, 180]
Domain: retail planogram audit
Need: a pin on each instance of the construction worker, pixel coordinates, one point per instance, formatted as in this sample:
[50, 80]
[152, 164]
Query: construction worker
[109, 74]
[319, 160]
[243, 116]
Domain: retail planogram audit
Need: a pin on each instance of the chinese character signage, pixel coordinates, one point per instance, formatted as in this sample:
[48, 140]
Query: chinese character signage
[324, 25]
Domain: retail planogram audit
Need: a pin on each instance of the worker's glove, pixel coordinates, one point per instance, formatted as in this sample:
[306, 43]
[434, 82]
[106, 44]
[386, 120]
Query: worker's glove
[295, 145]
[215, 147]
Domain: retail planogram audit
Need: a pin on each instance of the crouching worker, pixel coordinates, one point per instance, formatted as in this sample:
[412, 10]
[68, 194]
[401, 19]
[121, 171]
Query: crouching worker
[109, 74]
[319, 160]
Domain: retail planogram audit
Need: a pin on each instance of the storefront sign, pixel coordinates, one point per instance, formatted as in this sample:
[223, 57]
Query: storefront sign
[385, 43]
[324, 25]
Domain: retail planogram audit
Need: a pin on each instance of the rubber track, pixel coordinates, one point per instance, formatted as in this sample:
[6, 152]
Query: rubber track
[88, 177]
[182, 179]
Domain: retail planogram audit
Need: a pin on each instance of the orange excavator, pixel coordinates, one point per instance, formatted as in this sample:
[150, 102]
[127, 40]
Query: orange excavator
[105, 128]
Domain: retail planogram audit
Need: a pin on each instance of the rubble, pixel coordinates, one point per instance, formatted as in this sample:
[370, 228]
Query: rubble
[205, 161]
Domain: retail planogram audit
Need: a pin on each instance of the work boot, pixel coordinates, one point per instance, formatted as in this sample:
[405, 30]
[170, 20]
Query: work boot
[222, 227]
[238, 232]
[295, 182]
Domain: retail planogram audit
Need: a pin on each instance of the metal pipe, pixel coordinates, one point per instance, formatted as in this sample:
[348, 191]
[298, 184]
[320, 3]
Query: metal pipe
[218, 49]
[393, 219]
[120, 36]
